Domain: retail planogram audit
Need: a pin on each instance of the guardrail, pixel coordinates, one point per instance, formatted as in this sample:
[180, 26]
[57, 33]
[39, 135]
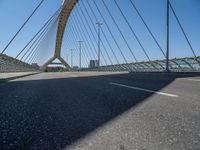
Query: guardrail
[187, 64]
[9, 64]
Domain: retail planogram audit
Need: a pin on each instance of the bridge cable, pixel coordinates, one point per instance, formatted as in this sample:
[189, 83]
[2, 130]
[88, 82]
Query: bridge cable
[183, 31]
[102, 31]
[90, 38]
[104, 35]
[134, 34]
[112, 36]
[35, 41]
[39, 39]
[109, 12]
[88, 35]
[87, 42]
[86, 58]
[85, 46]
[47, 22]
[22, 27]
[67, 34]
[111, 33]
[36, 51]
[109, 30]
[82, 12]
[93, 45]
[94, 27]
[49, 29]
[187, 39]
[91, 34]
[33, 44]
[34, 48]
[147, 27]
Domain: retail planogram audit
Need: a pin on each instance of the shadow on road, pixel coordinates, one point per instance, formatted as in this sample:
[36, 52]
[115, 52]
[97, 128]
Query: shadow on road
[54, 113]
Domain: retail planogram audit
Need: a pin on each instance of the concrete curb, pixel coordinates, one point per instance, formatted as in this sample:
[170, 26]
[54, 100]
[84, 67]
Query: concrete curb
[16, 77]
[168, 73]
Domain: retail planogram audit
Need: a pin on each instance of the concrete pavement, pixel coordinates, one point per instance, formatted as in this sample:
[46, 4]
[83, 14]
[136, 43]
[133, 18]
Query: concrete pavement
[84, 111]
[4, 77]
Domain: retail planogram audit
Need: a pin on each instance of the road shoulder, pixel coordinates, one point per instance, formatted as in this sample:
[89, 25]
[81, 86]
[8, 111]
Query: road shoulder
[5, 77]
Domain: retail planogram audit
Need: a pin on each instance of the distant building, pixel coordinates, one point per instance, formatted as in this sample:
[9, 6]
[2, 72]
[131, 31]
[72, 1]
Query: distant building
[93, 63]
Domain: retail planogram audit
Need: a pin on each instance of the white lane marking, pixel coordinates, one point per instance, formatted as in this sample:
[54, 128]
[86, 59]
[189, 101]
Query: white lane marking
[198, 80]
[145, 90]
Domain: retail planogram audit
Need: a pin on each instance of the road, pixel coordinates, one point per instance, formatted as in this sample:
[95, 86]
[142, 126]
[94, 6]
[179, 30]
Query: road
[102, 111]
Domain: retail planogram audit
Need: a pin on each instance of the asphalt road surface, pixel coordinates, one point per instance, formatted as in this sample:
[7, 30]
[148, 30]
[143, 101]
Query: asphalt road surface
[100, 111]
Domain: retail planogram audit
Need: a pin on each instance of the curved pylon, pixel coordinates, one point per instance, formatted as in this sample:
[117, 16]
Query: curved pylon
[67, 8]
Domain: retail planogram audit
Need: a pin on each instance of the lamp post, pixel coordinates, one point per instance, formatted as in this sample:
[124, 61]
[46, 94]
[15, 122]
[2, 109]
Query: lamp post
[80, 54]
[66, 57]
[167, 52]
[99, 43]
[72, 58]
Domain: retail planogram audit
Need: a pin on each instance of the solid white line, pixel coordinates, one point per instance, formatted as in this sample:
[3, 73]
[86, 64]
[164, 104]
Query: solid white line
[145, 90]
[194, 80]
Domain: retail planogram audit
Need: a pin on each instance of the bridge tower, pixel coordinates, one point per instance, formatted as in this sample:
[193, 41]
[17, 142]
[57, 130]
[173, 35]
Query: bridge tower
[67, 8]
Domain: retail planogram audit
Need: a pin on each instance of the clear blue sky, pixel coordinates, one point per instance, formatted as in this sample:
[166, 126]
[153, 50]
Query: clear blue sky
[14, 12]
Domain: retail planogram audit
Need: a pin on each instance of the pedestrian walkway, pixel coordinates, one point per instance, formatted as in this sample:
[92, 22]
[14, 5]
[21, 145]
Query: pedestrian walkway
[10, 76]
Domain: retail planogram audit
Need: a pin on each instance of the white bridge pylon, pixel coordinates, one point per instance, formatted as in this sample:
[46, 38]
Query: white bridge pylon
[67, 8]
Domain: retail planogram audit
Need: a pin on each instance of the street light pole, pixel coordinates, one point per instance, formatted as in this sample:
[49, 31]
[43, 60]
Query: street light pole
[99, 43]
[167, 53]
[72, 58]
[80, 54]
[66, 57]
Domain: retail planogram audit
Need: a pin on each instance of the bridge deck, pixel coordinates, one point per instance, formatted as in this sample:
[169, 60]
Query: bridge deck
[100, 111]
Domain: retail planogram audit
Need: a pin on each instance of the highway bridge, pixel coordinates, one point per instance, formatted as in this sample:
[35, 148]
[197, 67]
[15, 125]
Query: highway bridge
[116, 92]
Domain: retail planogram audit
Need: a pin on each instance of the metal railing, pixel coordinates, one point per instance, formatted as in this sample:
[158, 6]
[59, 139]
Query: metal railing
[9, 64]
[187, 64]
